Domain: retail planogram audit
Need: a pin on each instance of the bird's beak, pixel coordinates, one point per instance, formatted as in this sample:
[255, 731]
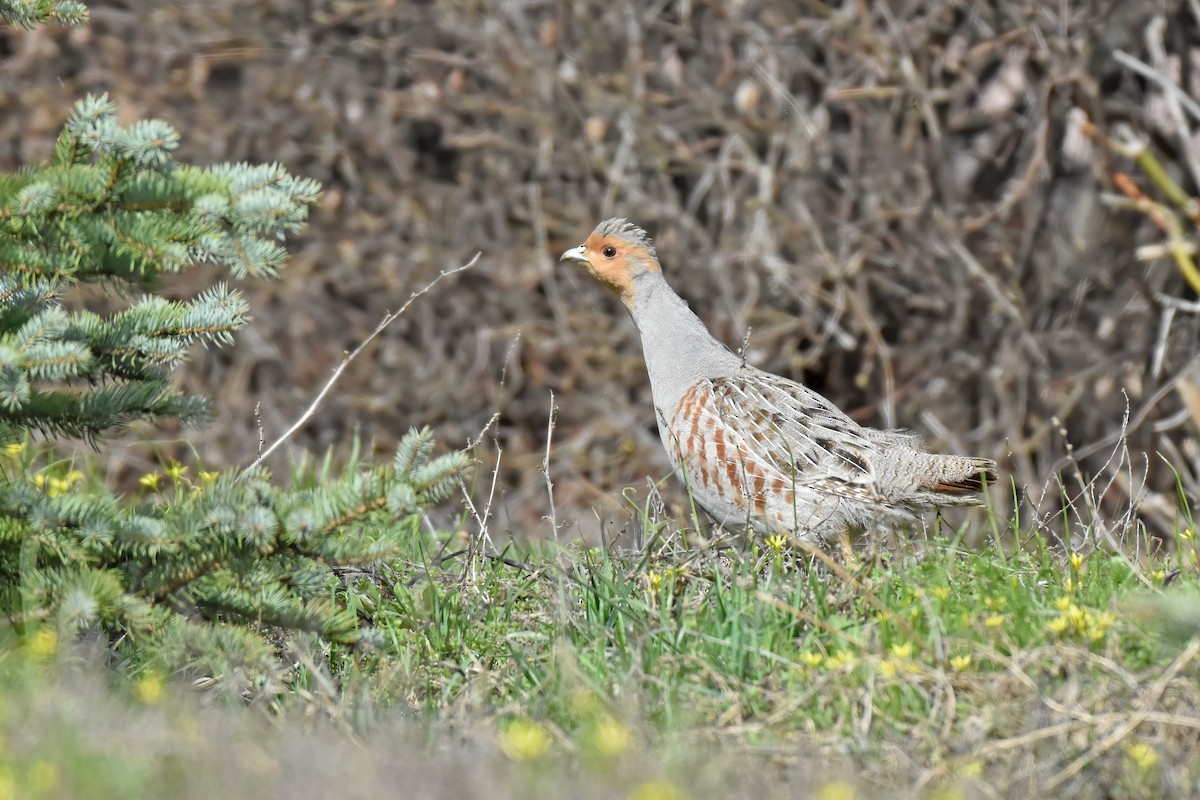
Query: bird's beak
[575, 254]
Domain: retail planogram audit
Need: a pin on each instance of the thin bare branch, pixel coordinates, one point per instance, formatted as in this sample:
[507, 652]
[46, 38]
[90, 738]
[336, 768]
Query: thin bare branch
[349, 357]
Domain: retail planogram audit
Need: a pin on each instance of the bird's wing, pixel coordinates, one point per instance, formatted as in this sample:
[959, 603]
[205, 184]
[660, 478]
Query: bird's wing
[796, 431]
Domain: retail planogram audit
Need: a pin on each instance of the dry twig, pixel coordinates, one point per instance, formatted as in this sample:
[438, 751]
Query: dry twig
[349, 357]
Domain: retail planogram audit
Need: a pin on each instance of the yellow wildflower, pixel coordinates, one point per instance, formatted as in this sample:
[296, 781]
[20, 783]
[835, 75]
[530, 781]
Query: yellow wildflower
[1063, 603]
[941, 592]
[175, 470]
[609, 737]
[525, 740]
[150, 689]
[209, 478]
[661, 789]
[902, 650]
[1076, 560]
[1142, 755]
[887, 668]
[1098, 625]
[776, 543]
[836, 790]
[150, 480]
[1077, 617]
[811, 659]
[654, 580]
[842, 659]
[960, 663]
[14, 449]
[993, 620]
[43, 644]
[1058, 625]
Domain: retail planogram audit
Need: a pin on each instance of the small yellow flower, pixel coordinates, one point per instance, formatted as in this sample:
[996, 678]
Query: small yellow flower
[150, 480]
[1159, 575]
[209, 478]
[960, 663]
[1076, 560]
[1098, 625]
[836, 790]
[56, 486]
[150, 689]
[525, 740]
[842, 659]
[43, 777]
[995, 603]
[1187, 535]
[661, 789]
[175, 470]
[887, 668]
[940, 592]
[811, 659]
[1063, 603]
[918, 593]
[654, 580]
[609, 737]
[1058, 625]
[776, 543]
[1077, 617]
[14, 449]
[1143, 755]
[993, 620]
[40, 479]
[902, 650]
[43, 644]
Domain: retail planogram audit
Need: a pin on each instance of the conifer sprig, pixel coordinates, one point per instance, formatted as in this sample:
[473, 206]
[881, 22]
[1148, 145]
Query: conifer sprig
[115, 206]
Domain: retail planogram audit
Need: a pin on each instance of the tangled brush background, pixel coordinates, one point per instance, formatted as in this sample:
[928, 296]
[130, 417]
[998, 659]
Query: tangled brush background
[899, 201]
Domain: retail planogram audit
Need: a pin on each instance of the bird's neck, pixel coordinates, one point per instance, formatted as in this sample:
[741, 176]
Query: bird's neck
[679, 350]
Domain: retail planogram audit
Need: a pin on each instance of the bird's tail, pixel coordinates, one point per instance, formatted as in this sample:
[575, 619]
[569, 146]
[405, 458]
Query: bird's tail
[957, 480]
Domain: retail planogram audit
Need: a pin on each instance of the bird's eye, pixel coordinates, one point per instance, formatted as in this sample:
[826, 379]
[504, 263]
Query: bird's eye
[609, 251]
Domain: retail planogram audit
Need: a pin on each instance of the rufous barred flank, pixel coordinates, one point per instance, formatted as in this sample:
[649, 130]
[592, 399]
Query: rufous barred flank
[756, 450]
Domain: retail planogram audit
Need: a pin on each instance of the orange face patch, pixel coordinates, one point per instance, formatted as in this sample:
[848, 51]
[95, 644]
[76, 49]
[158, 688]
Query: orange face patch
[614, 262]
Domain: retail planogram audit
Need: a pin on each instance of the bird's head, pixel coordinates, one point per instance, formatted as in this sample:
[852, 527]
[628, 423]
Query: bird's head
[616, 253]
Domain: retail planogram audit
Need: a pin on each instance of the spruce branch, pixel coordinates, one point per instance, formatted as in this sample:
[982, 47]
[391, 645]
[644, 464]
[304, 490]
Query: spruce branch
[31, 13]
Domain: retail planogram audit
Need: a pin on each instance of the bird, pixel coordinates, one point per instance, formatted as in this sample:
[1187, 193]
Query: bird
[759, 452]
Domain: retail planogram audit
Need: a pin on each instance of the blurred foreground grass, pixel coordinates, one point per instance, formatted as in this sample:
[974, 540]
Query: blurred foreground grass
[939, 672]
